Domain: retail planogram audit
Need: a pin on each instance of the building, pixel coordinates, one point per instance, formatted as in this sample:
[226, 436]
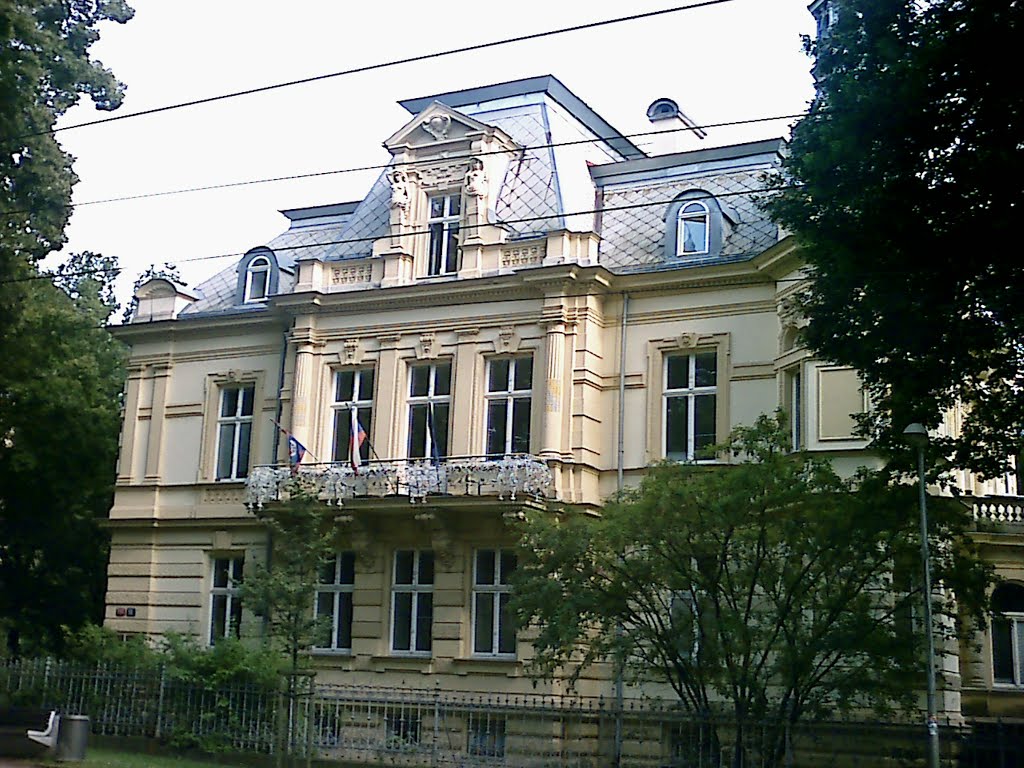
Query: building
[525, 310]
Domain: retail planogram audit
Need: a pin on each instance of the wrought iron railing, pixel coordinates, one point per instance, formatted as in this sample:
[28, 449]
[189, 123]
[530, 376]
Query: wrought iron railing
[506, 477]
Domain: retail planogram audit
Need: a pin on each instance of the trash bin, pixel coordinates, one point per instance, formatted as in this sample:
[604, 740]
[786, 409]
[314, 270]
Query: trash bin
[72, 737]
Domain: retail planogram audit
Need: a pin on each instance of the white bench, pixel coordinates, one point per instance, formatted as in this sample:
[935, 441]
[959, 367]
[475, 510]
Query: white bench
[48, 737]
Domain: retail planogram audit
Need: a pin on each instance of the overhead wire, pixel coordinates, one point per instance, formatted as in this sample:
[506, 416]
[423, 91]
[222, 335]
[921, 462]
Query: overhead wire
[382, 65]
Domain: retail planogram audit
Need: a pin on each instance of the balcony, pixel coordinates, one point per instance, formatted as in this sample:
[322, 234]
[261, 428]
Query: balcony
[1005, 510]
[507, 477]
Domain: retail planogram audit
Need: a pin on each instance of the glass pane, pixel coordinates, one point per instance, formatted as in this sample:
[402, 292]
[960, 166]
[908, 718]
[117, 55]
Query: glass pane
[485, 562]
[403, 566]
[344, 383]
[443, 379]
[452, 256]
[524, 373]
[506, 635]
[426, 569]
[366, 384]
[417, 431]
[707, 371]
[344, 621]
[236, 570]
[497, 381]
[436, 207]
[441, 428]
[325, 611]
[364, 416]
[676, 443]
[236, 617]
[220, 573]
[401, 635]
[424, 621]
[244, 433]
[694, 235]
[218, 618]
[342, 422]
[248, 395]
[678, 372]
[420, 381]
[455, 204]
[483, 630]
[436, 243]
[521, 425]
[328, 571]
[259, 285]
[1002, 650]
[703, 424]
[508, 565]
[229, 401]
[347, 568]
[225, 450]
[496, 415]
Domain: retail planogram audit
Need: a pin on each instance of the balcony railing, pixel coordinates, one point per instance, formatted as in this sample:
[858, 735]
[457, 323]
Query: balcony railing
[999, 509]
[507, 477]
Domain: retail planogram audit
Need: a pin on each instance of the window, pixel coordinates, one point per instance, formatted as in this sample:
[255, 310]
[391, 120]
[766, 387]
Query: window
[443, 224]
[1008, 635]
[257, 279]
[225, 605]
[795, 406]
[509, 381]
[690, 405]
[412, 601]
[334, 602]
[353, 412]
[234, 431]
[430, 388]
[693, 230]
[493, 632]
[485, 735]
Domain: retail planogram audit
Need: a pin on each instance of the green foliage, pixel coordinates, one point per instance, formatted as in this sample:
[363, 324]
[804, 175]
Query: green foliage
[91, 645]
[764, 589]
[906, 198]
[302, 540]
[229, 662]
[60, 388]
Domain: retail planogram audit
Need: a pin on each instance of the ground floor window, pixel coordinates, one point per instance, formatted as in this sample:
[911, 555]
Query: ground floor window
[225, 603]
[486, 735]
[412, 601]
[1008, 635]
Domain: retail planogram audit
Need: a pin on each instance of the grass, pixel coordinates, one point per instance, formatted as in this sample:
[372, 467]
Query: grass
[97, 757]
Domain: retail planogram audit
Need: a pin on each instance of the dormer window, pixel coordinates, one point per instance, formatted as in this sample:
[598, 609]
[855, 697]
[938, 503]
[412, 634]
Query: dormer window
[693, 230]
[257, 279]
[443, 225]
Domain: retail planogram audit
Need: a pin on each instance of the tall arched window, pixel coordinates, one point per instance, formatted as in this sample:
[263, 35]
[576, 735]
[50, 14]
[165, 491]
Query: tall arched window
[1008, 635]
[693, 229]
[257, 279]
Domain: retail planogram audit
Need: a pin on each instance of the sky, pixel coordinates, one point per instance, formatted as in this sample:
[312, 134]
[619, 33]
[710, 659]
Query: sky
[737, 60]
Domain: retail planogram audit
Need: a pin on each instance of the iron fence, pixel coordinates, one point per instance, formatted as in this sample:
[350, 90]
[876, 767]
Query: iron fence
[457, 729]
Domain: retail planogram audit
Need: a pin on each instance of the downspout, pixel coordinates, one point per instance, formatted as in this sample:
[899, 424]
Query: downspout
[275, 445]
[620, 484]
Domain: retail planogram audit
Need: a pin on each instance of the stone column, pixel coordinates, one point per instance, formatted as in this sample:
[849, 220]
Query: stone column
[160, 373]
[130, 418]
[554, 394]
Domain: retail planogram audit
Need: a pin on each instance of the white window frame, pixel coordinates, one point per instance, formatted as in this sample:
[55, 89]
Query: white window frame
[691, 392]
[1016, 620]
[342, 409]
[495, 590]
[443, 227]
[335, 589]
[686, 215]
[415, 589]
[796, 404]
[230, 592]
[430, 400]
[509, 395]
[258, 266]
[238, 419]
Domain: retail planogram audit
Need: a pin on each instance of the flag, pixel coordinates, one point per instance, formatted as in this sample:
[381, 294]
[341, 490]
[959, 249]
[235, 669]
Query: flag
[296, 451]
[356, 438]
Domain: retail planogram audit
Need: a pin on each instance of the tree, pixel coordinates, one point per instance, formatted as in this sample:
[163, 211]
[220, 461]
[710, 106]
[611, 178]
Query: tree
[903, 187]
[60, 393]
[762, 591]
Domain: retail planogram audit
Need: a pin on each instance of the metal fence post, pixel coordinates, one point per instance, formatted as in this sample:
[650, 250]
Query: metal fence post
[157, 731]
[437, 714]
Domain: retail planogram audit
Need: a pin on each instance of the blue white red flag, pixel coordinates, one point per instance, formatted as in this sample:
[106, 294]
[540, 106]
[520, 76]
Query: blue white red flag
[296, 451]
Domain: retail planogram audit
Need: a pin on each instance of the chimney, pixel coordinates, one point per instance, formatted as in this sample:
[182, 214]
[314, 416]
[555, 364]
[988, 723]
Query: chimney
[675, 131]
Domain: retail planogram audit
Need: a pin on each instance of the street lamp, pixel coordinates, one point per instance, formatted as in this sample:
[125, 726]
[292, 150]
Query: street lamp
[917, 436]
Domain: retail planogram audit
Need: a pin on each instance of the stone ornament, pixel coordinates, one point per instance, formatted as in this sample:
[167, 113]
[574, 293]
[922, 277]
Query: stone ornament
[399, 190]
[476, 179]
[438, 126]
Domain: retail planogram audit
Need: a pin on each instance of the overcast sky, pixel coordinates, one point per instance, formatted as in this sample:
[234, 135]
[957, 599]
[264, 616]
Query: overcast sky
[734, 61]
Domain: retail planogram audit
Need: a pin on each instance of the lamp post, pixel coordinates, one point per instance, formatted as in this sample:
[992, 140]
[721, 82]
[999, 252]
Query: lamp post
[917, 436]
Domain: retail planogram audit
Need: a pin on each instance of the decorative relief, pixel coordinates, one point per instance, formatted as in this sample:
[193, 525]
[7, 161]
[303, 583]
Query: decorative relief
[476, 179]
[437, 126]
[351, 275]
[428, 347]
[400, 190]
[224, 496]
[688, 340]
[523, 255]
[450, 175]
[507, 341]
[350, 353]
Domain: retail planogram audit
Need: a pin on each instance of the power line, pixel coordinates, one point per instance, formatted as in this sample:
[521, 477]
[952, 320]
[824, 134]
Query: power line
[372, 238]
[384, 65]
[384, 166]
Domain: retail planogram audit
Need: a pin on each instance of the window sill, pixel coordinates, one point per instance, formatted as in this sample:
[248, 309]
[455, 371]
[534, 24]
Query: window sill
[335, 652]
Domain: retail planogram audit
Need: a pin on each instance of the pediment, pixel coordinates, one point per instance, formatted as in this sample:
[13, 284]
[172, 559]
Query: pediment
[440, 124]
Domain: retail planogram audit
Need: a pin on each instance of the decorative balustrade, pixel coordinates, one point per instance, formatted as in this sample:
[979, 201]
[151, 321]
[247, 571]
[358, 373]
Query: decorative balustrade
[999, 509]
[506, 477]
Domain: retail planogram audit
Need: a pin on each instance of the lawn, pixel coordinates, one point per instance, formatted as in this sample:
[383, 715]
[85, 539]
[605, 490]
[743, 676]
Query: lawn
[109, 758]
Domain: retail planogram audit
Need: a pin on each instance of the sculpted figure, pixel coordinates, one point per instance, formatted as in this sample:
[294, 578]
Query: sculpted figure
[399, 190]
[476, 179]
